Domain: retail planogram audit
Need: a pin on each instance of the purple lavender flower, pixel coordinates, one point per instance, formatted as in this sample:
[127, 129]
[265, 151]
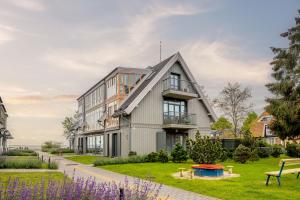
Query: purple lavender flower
[79, 189]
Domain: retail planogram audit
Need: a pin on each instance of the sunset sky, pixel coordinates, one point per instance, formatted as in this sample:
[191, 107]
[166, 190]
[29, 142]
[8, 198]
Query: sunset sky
[52, 51]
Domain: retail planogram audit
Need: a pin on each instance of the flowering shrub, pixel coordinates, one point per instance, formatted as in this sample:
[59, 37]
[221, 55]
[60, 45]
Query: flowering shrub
[79, 189]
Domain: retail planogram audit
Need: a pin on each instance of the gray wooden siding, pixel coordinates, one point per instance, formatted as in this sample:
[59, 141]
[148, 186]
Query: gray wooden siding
[176, 68]
[124, 142]
[143, 140]
[147, 118]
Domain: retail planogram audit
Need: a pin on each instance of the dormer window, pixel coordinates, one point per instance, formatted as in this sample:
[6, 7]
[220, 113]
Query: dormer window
[175, 81]
[267, 131]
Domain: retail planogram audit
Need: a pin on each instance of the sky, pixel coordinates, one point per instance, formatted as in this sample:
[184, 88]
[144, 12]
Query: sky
[53, 51]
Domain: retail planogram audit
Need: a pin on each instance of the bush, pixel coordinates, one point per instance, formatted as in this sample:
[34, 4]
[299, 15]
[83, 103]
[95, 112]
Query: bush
[115, 161]
[163, 156]
[249, 141]
[52, 165]
[264, 152]
[50, 145]
[204, 150]
[61, 150]
[293, 150]
[242, 154]
[152, 157]
[230, 153]
[254, 155]
[179, 154]
[20, 152]
[261, 143]
[30, 163]
[224, 155]
[276, 151]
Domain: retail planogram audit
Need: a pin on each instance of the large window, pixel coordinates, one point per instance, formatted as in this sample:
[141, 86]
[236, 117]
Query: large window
[128, 81]
[111, 86]
[175, 81]
[174, 108]
[267, 131]
[92, 119]
[95, 144]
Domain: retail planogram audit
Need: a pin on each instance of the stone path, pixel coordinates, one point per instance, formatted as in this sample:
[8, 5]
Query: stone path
[101, 175]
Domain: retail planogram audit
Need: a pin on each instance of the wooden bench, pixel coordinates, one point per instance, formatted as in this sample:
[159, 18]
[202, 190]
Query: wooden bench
[282, 164]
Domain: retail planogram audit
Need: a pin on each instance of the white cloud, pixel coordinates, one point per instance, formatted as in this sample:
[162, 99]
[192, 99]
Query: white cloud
[213, 61]
[135, 38]
[142, 25]
[9, 90]
[33, 5]
[6, 33]
[37, 99]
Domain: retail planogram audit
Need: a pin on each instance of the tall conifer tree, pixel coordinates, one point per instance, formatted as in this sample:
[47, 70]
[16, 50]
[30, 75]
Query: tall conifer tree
[284, 105]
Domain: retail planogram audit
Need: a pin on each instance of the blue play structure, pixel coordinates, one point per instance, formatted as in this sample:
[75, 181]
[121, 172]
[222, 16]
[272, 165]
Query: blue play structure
[208, 172]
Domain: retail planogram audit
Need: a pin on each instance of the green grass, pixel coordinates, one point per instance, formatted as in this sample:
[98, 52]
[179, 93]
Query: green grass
[85, 159]
[32, 177]
[250, 185]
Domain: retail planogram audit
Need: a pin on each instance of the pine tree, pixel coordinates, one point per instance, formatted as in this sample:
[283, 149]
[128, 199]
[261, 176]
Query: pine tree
[284, 105]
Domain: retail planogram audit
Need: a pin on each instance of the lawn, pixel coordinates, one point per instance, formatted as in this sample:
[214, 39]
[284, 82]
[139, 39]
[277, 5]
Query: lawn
[85, 159]
[250, 185]
[32, 177]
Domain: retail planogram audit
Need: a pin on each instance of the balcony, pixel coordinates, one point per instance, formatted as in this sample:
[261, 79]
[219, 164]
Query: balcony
[179, 120]
[179, 89]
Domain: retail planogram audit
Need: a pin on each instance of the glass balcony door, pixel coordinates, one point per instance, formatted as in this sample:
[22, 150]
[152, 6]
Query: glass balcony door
[175, 81]
[174, 110]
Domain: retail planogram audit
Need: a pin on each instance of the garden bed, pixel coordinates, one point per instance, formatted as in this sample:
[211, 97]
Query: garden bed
[25, 162]
[85, 159]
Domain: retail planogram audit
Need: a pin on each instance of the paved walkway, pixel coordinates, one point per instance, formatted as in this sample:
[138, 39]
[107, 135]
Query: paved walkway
[102, 175]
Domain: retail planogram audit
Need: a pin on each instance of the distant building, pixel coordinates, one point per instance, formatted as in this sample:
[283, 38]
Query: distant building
[4, 133]
[260, 128]
[142, 110]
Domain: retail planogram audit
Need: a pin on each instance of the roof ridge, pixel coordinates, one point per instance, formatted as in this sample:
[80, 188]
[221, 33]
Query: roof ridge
[138, 89]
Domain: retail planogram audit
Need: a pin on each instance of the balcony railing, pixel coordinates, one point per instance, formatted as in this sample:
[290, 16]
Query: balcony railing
[179, 118]
[177, 85]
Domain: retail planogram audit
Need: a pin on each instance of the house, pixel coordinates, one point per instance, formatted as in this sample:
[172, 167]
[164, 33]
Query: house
[259, 128]
[142, 110]
[4, 133]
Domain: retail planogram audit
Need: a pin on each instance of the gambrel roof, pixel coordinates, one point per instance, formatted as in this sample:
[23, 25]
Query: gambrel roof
[148, 82]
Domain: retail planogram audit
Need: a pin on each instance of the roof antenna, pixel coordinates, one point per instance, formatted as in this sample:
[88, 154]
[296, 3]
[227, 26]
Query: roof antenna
[159, 51]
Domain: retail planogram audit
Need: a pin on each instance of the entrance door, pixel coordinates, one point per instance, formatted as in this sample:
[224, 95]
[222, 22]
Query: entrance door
[173, 138]
[115, 145]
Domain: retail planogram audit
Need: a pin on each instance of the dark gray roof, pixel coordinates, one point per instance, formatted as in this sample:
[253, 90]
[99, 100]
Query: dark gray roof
[154, 71]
